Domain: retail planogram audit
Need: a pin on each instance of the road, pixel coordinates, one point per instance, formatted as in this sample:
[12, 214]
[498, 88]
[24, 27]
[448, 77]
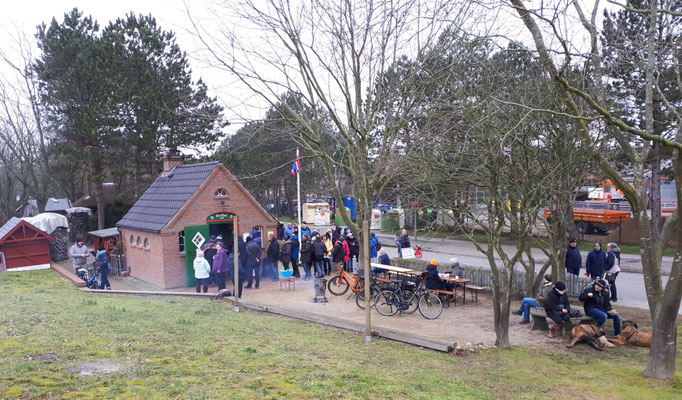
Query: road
[631, 292]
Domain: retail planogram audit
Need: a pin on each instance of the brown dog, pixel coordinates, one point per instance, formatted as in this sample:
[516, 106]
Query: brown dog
[590, 334]
[631, 335]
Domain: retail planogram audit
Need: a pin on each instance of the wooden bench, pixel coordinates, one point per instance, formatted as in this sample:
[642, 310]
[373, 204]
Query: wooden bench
[540, 321]
[447, 295]
[473, 291]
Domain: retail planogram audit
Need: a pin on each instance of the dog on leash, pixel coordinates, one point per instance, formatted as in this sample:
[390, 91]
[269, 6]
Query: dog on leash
[590, 334]
[632, 335]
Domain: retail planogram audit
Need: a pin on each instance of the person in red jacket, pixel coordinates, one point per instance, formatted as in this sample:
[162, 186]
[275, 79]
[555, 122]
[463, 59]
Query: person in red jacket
[418, 252]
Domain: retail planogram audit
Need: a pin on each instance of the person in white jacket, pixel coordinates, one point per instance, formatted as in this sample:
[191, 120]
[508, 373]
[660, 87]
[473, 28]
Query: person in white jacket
[202, 271]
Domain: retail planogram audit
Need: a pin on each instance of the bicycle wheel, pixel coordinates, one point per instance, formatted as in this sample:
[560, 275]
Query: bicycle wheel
[430, 306]
[360, 298]
[386, 303]
[337, 285]
[414, 303]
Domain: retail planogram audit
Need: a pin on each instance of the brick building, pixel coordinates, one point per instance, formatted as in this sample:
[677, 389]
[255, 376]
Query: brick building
[178, 212]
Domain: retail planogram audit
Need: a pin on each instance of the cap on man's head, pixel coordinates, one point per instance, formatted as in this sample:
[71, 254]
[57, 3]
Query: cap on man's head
[600, 283]
[572, 240]
[434, 262]
[79, 240]
[597, 243]
[560, 286]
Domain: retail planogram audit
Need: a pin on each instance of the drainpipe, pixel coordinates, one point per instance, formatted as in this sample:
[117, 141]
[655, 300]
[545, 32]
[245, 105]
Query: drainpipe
[4, 264]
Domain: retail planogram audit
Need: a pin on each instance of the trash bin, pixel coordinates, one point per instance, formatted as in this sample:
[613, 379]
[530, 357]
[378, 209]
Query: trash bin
[320, 286]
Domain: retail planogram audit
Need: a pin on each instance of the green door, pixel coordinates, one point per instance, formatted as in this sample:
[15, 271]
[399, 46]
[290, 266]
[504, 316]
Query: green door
[195, 236]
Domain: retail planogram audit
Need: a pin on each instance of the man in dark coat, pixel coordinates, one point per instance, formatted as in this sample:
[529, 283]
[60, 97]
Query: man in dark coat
[272, 258]
[557, 307]
[319, 250]
[597, 303]
[433, 281]
[253, 255]
[596, 262]
[354, 248]
[285, 254]
[338, 253]
[306, 255]
[573, 258]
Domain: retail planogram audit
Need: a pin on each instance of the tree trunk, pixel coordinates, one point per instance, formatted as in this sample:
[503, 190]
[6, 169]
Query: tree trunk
[662, 353]
[501, 311]
[655, 192]
[96, 181]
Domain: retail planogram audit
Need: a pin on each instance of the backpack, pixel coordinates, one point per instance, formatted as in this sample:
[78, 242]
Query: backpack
[378, 244]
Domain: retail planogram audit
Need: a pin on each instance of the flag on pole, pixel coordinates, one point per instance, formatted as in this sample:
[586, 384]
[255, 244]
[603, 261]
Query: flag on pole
[296, 168]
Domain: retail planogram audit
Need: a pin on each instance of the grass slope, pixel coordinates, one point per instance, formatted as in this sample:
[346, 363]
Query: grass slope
[199, 349]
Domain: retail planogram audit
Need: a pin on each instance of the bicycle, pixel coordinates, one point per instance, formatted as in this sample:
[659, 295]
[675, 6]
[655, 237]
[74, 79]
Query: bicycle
[340, 284]
[388, 302]
[374, 288]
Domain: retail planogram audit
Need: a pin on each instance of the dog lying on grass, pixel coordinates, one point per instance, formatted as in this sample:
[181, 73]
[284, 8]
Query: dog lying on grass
[590, 334]
[632, 335]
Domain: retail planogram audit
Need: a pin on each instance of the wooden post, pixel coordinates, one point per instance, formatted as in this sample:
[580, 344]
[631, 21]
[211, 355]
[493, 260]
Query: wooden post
[236, 286]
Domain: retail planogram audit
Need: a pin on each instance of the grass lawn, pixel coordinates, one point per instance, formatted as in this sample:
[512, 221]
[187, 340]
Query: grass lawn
[199, 349]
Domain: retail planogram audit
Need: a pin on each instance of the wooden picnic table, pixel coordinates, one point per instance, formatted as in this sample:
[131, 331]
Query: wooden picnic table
[463, 282]
[392, 268]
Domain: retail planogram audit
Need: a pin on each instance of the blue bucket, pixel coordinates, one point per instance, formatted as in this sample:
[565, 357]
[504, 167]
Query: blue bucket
[286, 273]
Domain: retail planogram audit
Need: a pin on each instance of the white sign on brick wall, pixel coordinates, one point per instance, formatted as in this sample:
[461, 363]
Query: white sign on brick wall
[198, 240]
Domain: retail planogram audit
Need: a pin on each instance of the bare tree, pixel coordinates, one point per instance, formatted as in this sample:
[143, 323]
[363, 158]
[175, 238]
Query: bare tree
[21, 127]
[332, 53]
[635, 141]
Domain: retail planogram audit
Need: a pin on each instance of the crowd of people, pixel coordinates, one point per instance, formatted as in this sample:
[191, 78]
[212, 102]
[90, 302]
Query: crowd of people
[598, 264]
[299, 247]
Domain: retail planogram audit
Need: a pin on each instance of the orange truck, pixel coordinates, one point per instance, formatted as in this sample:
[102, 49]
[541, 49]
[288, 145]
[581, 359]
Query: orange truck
[599, 215]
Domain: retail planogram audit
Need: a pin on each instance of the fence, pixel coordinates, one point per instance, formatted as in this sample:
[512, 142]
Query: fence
[481, 276]
[119, 266]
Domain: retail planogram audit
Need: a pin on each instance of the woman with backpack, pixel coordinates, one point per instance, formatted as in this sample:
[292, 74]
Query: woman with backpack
[612, 268]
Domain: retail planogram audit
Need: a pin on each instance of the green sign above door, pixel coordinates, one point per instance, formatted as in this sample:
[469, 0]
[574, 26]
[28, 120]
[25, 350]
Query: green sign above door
[220, 217]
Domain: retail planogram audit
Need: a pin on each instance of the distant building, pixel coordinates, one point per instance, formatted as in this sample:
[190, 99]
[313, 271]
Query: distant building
[28, 209]
[58, 206]
[180, 210]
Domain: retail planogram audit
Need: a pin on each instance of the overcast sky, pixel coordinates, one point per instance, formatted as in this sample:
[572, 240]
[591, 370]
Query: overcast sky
[25, 16]
[240, 104]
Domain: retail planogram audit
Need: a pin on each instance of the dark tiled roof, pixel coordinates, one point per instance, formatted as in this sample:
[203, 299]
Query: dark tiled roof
[166, 196]
[11, 224]
[57, 204]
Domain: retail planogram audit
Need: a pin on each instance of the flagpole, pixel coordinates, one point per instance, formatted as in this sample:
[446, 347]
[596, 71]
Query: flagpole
[298, 186]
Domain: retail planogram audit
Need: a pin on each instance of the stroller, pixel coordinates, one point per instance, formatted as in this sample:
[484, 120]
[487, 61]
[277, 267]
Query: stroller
[88, 273]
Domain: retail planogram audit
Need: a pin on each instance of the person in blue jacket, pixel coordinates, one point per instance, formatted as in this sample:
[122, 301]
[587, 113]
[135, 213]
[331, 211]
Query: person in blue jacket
[373, 244]
[104, 267]
[596, 262]
[574, 260]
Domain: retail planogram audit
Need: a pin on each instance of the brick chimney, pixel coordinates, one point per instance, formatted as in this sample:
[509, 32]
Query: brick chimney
[171, 159]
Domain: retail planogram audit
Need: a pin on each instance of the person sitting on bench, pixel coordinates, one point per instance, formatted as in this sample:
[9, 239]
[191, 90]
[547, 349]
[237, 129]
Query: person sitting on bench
[597, 302]
[433, 281]
[557, 307]
[529, 302]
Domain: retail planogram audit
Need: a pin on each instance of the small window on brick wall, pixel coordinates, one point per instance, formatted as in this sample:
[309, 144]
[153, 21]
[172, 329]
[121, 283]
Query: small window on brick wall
[220, 193]
[146, 243]
[181, 241]
[139, 241]
[132, 239]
